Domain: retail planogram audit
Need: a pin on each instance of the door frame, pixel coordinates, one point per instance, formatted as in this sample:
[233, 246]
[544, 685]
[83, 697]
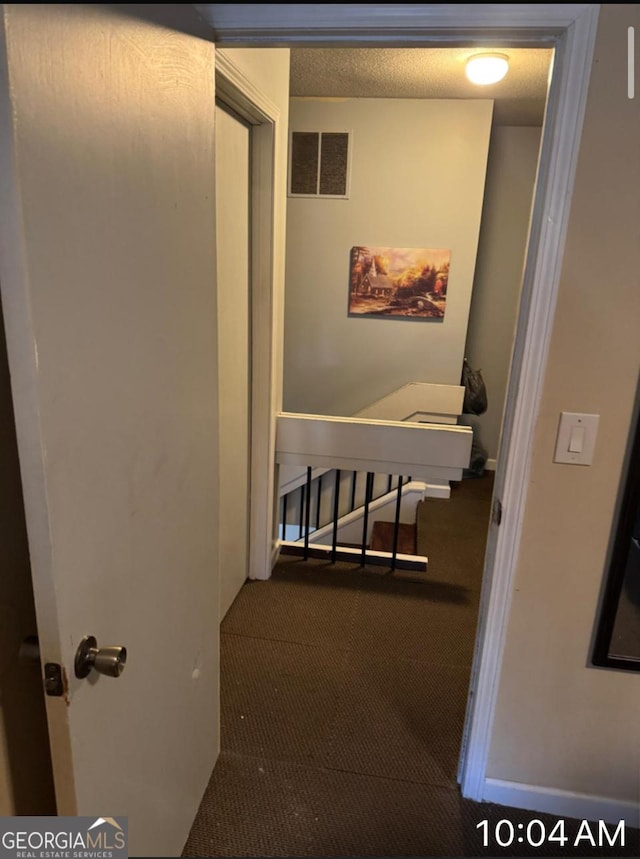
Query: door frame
[571, 30]
[250, 103]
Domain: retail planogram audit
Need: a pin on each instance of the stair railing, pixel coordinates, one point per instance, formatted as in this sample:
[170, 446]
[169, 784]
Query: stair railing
[375, 447]
[298, 501]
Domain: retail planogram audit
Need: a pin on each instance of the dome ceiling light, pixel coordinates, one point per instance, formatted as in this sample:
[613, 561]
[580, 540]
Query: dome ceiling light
[483, 69]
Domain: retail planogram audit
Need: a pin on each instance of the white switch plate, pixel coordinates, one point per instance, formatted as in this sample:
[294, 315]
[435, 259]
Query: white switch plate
[569, 423]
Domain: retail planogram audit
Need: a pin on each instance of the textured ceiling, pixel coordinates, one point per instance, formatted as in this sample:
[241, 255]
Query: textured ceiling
[424, 73]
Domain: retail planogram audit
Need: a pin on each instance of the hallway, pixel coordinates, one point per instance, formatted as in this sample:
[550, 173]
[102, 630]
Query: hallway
[343, 702]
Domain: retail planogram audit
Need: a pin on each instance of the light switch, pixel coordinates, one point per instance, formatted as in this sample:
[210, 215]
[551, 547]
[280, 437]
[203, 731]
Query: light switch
[576, 438]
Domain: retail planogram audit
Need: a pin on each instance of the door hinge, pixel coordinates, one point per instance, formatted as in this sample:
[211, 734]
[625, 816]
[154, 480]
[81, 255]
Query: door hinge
[496, 515]
[53, 680]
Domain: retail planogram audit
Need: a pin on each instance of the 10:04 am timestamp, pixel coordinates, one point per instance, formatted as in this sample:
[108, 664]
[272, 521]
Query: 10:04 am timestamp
[535, 833]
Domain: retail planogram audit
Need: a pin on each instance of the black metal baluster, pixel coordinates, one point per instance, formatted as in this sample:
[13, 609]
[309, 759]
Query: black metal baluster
[354, 478]
[318, 499]
[367, 499]
[307, 514]
[336, 501]
[390, 483]
[284, 517]
[396, 525]
[302, 488]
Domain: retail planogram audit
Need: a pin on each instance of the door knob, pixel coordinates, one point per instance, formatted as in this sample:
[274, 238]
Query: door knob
[109, 661]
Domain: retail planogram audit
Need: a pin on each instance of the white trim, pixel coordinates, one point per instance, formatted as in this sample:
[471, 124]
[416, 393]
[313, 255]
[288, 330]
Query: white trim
[247, 100]
[407, 403]
[438, 490]
[297, 475]
[242, 94]
[561, 142]
[563, 803]
[571, 29]
[401, 24]
[490, 465]
[427, 451]
[419, 563]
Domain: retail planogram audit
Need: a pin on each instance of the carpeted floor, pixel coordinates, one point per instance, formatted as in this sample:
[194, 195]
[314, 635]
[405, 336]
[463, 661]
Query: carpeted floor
[343, 701]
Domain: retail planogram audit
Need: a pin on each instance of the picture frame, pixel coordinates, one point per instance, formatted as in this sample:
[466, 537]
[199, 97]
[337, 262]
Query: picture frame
[404, 283]
[617, 639]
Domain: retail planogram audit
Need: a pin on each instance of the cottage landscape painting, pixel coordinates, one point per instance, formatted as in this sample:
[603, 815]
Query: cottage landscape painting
[408, 282]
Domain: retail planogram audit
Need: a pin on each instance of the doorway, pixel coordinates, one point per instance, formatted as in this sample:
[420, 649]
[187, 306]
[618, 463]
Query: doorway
[315, 314]
[233, 214]
[308, 285]
[573, 40]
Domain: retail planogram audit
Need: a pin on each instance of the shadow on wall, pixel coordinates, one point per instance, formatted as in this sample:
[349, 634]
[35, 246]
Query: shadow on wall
[26, 769]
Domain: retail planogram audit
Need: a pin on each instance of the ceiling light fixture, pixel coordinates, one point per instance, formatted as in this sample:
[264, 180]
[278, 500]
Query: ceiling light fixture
[483, 69]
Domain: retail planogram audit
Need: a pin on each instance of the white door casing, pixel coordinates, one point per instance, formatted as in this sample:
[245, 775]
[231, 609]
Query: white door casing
[266, 308]
[571, 29]
[233, 281]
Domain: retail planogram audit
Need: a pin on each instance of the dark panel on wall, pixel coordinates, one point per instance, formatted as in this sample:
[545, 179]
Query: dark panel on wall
[304, 162]
[333, 164]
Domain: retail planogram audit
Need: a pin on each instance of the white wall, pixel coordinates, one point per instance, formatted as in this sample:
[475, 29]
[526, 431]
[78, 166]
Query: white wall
[560, 723]
[511, 173]
[417, 180]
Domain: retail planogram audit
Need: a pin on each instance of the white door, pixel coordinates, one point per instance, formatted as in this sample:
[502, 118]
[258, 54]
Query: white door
[107, 271]
[232, 241]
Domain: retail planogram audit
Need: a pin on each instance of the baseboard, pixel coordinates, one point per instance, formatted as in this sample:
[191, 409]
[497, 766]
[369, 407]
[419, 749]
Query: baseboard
[275, 554]
[562, 803]
[490, 465]
[438, 490]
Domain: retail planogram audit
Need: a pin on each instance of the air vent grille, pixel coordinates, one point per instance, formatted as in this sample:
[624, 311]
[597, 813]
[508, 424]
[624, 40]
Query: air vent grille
[319, 164]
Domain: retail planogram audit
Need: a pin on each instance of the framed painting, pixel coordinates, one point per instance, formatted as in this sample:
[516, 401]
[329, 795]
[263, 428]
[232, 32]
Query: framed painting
[410, 283]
